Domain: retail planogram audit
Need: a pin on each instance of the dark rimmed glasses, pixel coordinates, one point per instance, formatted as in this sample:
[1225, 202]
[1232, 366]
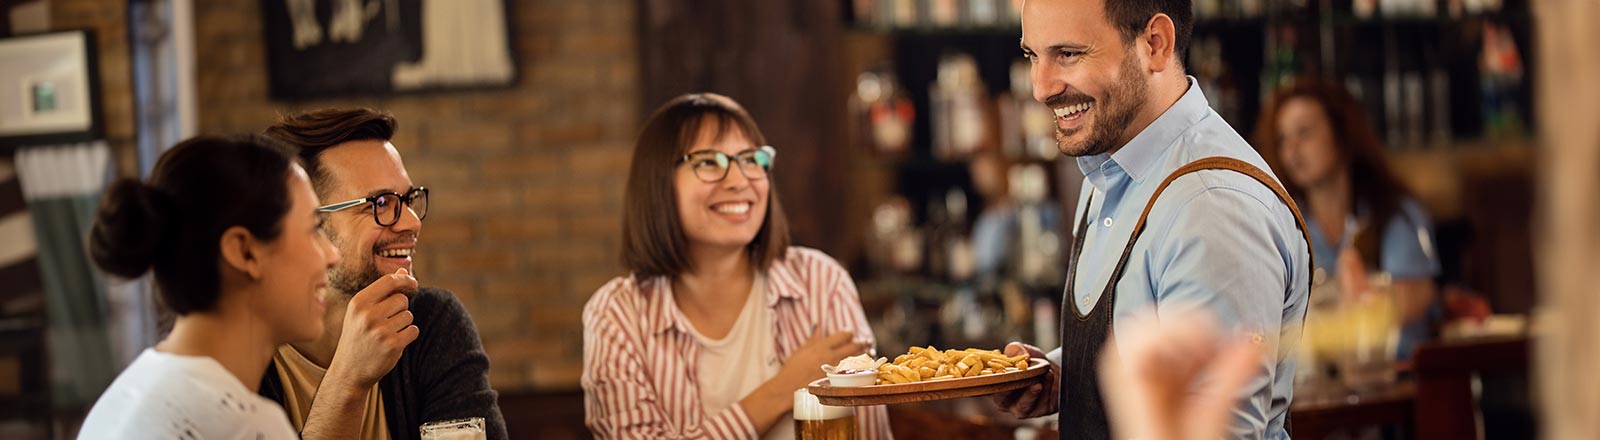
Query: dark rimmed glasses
[712, 166]
[386, 205]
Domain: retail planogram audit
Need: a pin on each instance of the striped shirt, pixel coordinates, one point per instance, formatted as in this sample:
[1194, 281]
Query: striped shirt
[640, 360]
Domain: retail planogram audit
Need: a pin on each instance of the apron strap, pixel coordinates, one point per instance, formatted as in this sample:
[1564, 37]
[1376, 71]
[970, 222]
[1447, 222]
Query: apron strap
[1218, 163]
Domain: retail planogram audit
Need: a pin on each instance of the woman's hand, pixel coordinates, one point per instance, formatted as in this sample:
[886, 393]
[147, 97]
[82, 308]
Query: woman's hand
[775, 398]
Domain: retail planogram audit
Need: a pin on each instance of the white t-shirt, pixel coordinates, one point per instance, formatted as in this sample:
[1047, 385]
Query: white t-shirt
[732, 367]
[167, 396]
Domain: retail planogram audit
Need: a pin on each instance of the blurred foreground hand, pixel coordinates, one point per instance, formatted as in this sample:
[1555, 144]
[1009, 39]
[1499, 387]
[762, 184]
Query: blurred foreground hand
[1176, 379]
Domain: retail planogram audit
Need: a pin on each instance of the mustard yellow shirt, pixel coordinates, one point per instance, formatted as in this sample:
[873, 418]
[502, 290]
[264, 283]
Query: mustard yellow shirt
[301, 377]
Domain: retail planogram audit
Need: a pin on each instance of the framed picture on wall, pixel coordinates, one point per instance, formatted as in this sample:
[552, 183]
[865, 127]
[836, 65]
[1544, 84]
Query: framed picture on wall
[332, 48]
[48, 89]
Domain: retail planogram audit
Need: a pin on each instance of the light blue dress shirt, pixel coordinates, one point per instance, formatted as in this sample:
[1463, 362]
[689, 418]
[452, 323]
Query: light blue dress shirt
[1217, 242]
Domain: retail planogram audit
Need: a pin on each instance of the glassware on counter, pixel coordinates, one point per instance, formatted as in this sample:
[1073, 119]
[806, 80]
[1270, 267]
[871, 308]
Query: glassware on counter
[957, 100]
[1037, 247]
[1028, 127]
[882, 112]
[1352, 334]
[896, 246]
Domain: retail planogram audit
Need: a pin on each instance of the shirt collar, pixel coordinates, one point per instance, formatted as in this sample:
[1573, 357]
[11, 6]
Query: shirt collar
[663, 314]
[1140, 155]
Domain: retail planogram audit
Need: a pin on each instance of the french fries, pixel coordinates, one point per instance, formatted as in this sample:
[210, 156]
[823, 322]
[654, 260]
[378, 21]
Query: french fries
[928, 363]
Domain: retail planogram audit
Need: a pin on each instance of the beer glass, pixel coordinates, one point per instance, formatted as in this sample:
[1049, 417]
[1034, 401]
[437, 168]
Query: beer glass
[458, 429]
[815, 421]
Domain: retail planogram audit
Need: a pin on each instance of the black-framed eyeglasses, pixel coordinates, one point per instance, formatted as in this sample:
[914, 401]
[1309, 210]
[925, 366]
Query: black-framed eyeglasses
[712, 166]
[385, 209]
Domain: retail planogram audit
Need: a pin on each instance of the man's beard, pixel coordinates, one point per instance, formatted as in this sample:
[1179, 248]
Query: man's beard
[356, 271]
[1124, 100]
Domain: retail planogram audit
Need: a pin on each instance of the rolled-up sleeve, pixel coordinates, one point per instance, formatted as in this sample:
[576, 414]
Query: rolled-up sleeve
[1223, 253]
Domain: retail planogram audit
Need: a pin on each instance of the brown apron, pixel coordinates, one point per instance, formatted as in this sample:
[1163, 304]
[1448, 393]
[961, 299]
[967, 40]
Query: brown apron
[1083, 414]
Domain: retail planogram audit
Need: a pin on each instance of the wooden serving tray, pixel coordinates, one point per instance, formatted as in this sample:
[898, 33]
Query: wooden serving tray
[928, 390]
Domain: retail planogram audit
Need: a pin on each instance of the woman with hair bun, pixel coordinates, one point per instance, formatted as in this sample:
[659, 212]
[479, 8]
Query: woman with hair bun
[230, 228]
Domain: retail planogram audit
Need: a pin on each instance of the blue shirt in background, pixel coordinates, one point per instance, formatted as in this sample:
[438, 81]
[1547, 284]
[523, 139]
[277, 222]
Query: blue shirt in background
[1405, 252]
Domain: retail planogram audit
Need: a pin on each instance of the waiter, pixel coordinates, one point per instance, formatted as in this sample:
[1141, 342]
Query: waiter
[1180, 215]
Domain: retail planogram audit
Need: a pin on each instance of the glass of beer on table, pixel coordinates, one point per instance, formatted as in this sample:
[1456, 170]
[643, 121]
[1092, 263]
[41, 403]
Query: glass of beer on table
[815, 421]
[458, 429]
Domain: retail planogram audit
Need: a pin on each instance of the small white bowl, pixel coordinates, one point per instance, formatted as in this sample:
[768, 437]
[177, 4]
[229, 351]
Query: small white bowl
[860, 379]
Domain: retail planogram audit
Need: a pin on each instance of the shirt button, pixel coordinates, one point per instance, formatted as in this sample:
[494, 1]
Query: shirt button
[1108, 222]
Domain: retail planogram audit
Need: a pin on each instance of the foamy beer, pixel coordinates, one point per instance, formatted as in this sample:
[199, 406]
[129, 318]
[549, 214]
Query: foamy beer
[459, 429]
[815, 421]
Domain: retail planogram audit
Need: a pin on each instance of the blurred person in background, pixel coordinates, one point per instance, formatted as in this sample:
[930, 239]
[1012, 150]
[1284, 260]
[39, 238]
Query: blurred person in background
[231, 229]
[1362, 219]
[1008, 202]
[719, 320]
[993, 231]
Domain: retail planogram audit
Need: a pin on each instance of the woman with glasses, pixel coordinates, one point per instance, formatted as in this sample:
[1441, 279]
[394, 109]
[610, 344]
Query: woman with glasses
[230, 227]
[719, 320]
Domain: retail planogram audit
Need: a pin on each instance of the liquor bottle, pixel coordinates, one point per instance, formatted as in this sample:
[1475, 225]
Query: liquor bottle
[1027, 127]
[1501, 81]
[960, 264]
[957, 99]
[934, 232]
[881, 113]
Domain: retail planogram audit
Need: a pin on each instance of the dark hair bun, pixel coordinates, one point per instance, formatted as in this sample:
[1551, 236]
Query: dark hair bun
[129, 229]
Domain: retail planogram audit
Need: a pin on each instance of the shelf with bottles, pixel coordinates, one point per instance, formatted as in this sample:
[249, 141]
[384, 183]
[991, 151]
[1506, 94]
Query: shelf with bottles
[1366, 10]
[936, 17]
[1004, 16]
[1421, 82]
[930, 16]
[1393, 12]
[951, 116]
[1014, 30]
[1390, 50]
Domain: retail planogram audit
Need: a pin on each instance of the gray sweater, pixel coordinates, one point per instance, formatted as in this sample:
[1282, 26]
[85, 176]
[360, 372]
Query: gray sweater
[443, 375]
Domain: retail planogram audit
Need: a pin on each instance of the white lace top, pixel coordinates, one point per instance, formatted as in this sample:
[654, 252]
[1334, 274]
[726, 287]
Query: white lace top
[167, 396]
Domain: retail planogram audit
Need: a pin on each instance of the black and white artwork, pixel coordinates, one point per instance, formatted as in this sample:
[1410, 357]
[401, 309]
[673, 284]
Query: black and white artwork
[327, 48]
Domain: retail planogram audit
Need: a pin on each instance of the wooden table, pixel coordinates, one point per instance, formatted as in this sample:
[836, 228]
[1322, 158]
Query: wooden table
[966, 418]
[1437, 404]
[1315, 416]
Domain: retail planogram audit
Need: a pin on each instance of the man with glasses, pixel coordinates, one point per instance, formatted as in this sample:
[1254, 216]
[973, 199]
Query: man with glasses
[394, 356]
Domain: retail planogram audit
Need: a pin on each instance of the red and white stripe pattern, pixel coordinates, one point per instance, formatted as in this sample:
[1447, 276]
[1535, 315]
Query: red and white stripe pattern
[639, 360]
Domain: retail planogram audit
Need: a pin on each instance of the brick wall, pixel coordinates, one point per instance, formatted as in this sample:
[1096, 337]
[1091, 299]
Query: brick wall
[109, 22]
[527, 182]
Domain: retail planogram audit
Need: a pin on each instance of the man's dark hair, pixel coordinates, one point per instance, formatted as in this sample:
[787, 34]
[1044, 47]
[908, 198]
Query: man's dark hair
[1131, 16]
[315, 131]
